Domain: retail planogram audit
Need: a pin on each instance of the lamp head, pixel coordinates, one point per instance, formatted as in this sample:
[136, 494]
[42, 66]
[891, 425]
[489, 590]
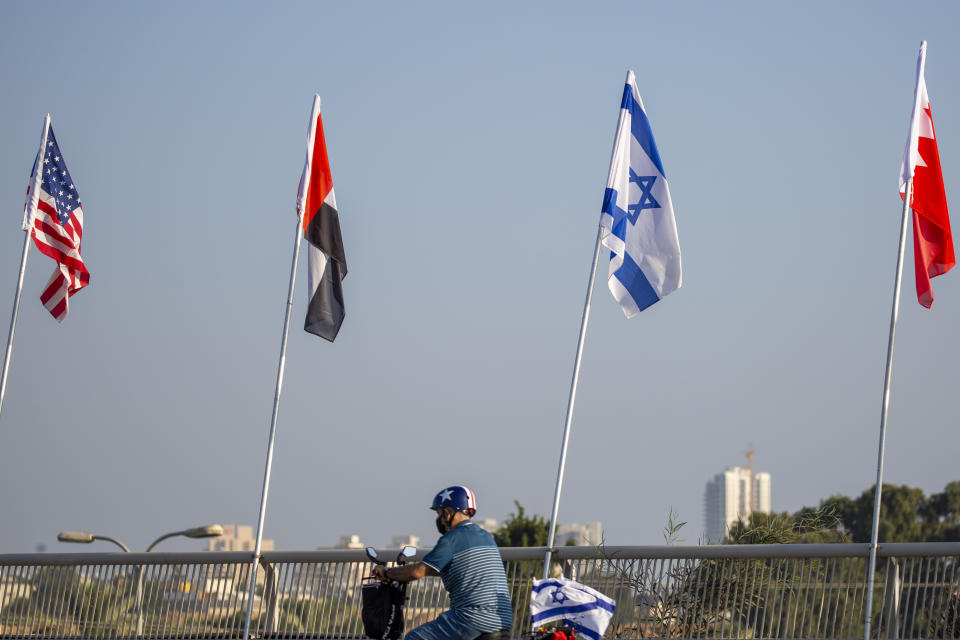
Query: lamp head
[208, 531]
[75, 536]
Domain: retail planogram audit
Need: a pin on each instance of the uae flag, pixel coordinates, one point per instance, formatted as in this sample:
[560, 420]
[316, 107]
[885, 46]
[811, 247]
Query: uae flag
[317, 208]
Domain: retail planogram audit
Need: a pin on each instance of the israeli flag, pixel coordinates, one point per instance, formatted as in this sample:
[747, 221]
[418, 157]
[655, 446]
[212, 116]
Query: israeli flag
[637, 217]
[571, 603]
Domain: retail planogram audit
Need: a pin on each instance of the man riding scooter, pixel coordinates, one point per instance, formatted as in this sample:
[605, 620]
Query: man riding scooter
[468, 562]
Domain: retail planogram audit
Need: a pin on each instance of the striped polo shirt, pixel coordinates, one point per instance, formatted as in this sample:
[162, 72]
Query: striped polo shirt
[469, 564]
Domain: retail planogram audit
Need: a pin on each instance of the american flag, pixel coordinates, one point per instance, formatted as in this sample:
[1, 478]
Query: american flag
[56, 224]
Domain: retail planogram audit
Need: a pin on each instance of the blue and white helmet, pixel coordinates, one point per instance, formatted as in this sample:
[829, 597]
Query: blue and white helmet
[458, 497]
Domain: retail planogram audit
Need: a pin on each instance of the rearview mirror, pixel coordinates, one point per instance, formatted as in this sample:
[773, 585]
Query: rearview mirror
[372, 553]
[408, 551]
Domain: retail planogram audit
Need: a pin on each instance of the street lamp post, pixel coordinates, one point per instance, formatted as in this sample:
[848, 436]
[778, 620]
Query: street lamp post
[82, 537]
[208, 531]
[86, 538]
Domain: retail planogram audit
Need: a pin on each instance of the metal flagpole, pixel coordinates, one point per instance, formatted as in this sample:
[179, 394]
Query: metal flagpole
[872, 563]
[273, 433]
[13, 318]
[30, 212]
[570, 401]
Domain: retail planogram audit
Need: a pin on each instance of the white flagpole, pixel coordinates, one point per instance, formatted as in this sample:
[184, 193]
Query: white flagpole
[872, 563]
[13, 318]
[31, 211]
[273, 433]
[907, 170]
[570, 401]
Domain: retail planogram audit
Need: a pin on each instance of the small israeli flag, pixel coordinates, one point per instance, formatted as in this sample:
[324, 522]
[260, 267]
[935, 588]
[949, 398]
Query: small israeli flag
[637, 215]
[571, 603]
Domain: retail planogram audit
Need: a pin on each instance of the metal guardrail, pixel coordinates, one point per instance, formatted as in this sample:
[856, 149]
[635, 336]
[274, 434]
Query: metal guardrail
[738, 591]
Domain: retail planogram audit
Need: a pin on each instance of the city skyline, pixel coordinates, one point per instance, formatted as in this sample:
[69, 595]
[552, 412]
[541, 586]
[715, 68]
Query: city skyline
[241, 537]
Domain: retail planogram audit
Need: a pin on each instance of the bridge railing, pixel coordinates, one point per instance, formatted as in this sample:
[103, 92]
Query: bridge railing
[737, 591]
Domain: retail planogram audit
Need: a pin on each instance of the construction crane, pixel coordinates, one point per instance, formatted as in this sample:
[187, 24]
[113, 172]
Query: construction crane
[750, 453]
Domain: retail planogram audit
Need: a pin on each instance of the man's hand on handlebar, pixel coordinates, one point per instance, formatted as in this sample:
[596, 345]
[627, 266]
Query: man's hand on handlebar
[404, 573]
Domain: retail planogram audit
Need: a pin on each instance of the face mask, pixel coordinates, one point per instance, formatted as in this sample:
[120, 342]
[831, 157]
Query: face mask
[440, 526]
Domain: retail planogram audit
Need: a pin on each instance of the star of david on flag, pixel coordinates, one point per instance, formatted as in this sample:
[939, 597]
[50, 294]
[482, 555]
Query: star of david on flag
[571, 603]
[637, 215]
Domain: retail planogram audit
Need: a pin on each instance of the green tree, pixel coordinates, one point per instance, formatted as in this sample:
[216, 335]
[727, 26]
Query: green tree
[906, 514]
[945, 514]
[902, 511]
[804, 527]
[844, 507]
[521, 530]
[946, 505]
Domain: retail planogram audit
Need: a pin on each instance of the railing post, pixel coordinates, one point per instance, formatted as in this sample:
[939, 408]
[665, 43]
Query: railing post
[138, 601]
[891, 600]
[271, 601]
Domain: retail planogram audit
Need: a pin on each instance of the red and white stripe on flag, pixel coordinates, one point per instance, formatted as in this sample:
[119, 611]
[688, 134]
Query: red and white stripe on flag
[54, 219]
[932, 238]
[62, 243]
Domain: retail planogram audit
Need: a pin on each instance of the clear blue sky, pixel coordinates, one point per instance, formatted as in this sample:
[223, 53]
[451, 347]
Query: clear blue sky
[469, 147]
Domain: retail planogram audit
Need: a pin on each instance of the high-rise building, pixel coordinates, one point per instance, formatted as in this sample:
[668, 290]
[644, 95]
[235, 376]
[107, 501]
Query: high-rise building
[399, 542]
[761, 492]
[580, 535]
[490, 525]
[733, 495]
[238, 537]
[351, 541]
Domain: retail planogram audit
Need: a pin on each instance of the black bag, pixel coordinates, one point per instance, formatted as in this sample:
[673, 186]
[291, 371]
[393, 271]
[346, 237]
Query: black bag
[382, 611]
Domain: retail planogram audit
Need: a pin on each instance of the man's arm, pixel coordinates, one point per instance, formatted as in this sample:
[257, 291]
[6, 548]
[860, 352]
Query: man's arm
[405, 573]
